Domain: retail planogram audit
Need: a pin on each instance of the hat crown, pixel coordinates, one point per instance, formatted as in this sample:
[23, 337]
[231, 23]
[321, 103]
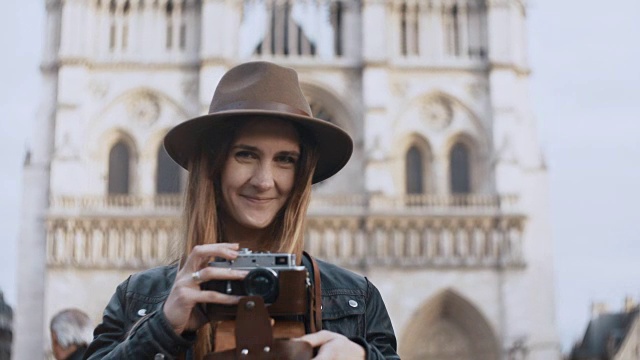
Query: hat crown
[259, 86]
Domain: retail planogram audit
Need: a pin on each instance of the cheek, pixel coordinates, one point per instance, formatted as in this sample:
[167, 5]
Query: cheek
[285, 180]
[231, 176]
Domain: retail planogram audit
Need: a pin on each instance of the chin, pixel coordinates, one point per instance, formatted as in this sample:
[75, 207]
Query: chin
[257, 224]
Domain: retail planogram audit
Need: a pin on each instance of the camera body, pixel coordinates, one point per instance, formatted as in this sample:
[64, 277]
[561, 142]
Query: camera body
[248, 260]
[274, 276]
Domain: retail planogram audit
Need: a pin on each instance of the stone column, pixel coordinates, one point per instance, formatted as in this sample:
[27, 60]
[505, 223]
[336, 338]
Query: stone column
[351, 31]
[436, 24]
[30, 322]
[517, 170]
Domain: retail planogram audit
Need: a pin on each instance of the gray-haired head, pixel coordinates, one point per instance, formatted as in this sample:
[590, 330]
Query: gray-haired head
[72, 327]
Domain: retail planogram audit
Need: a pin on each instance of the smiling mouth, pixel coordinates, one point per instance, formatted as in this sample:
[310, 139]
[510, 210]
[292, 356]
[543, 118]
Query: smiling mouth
[256, 200]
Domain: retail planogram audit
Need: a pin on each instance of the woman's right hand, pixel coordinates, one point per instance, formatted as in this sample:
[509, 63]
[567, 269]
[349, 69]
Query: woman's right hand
[180, 307]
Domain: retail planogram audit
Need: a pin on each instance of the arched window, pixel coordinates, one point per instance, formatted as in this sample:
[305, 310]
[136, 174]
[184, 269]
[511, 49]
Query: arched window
[337, 9]
[284, 36]
[125, 25]
[465, 29]
[167, 174]
[459, 169]
[169, 28]
[119, 164]
[403, 29]
[409, 29]
[414, 171]
[453, 31]
[477, 30]
[112, 26]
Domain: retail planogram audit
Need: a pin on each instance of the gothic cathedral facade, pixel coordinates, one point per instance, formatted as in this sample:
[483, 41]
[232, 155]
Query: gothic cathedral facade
[444, 205]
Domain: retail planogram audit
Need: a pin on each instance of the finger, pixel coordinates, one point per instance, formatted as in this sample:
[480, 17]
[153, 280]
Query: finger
[201, 254]
[318, 338]
[216, 273]
[214, 297]
[189, 297]
[206, 274]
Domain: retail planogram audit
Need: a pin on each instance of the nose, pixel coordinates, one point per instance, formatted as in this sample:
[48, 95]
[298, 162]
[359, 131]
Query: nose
[262, 178]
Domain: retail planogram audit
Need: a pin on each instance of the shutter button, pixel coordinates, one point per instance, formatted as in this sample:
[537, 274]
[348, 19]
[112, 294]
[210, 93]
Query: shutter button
[353, 303]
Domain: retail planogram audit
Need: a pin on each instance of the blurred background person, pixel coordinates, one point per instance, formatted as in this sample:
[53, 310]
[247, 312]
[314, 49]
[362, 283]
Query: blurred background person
[71, 332]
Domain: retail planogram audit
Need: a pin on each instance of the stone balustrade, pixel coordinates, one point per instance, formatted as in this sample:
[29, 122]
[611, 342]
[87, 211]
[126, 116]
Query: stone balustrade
[102, 242]
[357, 231]
[125, 204]
[320, 204]
[417, 241]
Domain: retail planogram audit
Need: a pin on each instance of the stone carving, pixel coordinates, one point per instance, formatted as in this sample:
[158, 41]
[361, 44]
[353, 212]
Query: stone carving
[66, 149]
[477, 90]
[99, 89]
[437, 112]
[399, 88]
[144, 108]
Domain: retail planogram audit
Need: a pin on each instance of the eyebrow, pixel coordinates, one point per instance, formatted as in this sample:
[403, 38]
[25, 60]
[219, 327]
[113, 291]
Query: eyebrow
[245, 147]
[256, 149]
[289, 153]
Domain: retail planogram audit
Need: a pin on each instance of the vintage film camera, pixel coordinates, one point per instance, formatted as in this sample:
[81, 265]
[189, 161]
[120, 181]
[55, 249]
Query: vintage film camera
[274, 276]
[277, 299]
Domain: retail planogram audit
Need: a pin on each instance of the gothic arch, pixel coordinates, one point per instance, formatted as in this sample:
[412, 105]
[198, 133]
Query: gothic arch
[154, 146]
[155, 94]
[154, 109]
[329, 101]
[114, 135]
[443, 119]
[110, 141]
[421, 144]
[458, 111]
[474, 162]
[169, 176]
[449, 327]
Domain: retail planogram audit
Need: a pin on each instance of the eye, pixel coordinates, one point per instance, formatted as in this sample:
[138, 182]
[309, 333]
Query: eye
[245, 154]
[287, 159]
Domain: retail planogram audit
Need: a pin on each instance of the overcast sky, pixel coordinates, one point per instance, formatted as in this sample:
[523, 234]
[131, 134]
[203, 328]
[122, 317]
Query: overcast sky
[585, 56]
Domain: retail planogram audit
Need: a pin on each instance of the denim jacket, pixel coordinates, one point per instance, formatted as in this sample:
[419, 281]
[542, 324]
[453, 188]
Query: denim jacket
[134, 325]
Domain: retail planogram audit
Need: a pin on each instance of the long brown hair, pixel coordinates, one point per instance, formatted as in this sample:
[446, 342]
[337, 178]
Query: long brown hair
[201, 223]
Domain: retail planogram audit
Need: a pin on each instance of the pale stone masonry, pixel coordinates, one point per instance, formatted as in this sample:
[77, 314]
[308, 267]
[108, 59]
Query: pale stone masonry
[444, 205]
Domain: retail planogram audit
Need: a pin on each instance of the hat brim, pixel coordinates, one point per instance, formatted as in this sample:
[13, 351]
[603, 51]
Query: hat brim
[335, 146]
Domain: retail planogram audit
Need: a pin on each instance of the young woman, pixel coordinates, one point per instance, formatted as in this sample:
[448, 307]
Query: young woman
[251, 164]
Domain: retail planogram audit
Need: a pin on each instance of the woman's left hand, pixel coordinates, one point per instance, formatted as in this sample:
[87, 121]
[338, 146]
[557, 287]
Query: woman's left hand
[333, 346]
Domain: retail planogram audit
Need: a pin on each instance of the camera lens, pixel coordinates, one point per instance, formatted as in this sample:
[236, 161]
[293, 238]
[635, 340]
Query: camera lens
[262, 282]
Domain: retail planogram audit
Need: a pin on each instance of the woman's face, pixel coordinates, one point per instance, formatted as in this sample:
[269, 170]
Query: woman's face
[259, 172]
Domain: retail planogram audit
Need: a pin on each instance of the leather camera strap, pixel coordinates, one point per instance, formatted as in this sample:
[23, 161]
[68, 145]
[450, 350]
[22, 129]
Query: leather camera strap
[280, 350]
[316, 295]
[253, 325]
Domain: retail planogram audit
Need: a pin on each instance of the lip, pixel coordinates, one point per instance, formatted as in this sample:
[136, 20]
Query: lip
[254, 199]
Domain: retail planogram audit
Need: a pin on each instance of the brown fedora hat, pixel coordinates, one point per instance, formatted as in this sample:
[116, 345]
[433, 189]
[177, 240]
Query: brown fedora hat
[261, 89]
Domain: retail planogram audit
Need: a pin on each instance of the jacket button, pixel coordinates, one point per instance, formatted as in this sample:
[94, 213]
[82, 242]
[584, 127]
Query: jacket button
[353, 303]
[142, 312]
[158, 357]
